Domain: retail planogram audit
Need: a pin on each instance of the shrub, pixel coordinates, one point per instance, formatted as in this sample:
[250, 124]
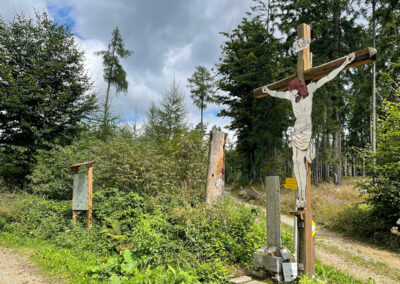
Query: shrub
[140, 166]
[51, 177]
[384, 169]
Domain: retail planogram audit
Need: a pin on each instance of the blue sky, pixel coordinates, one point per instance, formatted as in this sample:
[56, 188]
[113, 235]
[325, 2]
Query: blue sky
[169, 38]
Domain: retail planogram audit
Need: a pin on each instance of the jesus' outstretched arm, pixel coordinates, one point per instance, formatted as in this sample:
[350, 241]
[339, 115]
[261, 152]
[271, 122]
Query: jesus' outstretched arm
[283, 95]
[333, 73]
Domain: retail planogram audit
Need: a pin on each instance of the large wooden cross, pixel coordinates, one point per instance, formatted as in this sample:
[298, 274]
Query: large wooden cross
[306, 73]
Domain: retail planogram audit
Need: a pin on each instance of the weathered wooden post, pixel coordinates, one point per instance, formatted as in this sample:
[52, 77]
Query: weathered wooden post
[273, 189]
[273, 259]
[82, 192]
[216, 167]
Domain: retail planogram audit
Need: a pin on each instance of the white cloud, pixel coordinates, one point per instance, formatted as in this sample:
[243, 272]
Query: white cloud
[28, 7]
[169, 38]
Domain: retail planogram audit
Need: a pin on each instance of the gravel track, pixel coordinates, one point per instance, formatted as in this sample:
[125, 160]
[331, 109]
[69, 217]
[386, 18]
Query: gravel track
[16, 269]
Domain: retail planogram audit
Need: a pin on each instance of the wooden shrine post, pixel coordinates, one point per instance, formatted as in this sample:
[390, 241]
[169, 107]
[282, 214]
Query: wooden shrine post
[306, 73]
[82, 192]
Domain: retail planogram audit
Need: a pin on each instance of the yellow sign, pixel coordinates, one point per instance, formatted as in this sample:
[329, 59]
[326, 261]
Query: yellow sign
[313, 227]
[291, 183]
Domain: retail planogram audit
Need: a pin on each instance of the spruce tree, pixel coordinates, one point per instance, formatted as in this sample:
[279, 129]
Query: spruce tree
[114, 75]
[151, 125]
[172, 110]
[201, 86]
[251, 57]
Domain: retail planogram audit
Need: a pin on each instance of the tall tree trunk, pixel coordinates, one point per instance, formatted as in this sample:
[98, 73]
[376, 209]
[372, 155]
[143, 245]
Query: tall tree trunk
[325, 165]
[337, 139]
[338, 151]
[201, 110]
[373, 142]
[316, 176]
[289, 169]
[276, 171]
[107, 104]
[268, 14]
[106, 113]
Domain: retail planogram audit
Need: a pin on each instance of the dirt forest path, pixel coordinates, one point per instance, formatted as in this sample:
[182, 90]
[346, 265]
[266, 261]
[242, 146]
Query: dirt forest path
[15, 269]
[359, 259]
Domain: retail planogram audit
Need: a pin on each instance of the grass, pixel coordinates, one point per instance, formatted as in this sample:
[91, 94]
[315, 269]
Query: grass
[337, 208]
[63, 265]
[328, 201]
[333, 275]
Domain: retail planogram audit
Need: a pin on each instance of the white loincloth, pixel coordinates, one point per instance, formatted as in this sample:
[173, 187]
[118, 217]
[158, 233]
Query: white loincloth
[301, 139]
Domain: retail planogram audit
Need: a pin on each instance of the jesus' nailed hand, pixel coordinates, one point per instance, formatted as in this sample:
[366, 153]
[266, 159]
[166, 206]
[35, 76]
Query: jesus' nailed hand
[299, 136]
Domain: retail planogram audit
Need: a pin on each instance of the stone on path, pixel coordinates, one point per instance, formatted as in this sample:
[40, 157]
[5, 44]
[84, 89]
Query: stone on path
[239, 280]
[246, 280]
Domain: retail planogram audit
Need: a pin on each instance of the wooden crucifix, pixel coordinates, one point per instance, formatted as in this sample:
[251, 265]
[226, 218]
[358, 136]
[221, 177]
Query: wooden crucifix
[301, 90]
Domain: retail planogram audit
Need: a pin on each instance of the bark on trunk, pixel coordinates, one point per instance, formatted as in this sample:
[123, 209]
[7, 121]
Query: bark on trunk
[316, 172]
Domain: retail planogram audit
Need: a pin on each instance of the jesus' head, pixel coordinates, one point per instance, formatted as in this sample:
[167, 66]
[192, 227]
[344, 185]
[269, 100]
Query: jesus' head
[302, 91]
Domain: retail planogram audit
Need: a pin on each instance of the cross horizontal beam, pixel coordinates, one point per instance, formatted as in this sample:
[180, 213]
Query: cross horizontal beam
[363, 56]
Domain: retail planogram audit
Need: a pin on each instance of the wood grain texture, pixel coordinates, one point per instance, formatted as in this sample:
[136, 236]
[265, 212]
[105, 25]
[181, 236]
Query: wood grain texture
[75, 216]
[90, 191]
[272, 187]
[216, 167]
[304, 56]
[309, 239]
[75, 213]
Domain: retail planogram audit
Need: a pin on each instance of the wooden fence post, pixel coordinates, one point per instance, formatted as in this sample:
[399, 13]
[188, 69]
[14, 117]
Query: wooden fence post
[75, 212]
[90, 193]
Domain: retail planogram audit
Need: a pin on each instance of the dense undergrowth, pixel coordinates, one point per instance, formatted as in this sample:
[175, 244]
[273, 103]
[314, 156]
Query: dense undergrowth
[150, 221]
[170, 243]
[164, 240]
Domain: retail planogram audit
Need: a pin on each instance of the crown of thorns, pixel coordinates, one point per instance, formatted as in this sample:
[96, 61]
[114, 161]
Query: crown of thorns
[302, 91]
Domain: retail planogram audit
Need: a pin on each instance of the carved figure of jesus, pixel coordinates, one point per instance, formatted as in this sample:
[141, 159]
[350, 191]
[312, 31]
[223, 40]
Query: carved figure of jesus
[299, 136]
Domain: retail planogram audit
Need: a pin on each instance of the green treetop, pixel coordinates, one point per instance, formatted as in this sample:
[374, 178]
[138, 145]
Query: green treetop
[201, 86]
[43, 89]
[114, 74]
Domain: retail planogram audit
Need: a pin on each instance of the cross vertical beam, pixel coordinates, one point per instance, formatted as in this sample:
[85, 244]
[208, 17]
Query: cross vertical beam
[309, 242]
[306, 244]
[304, 56]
